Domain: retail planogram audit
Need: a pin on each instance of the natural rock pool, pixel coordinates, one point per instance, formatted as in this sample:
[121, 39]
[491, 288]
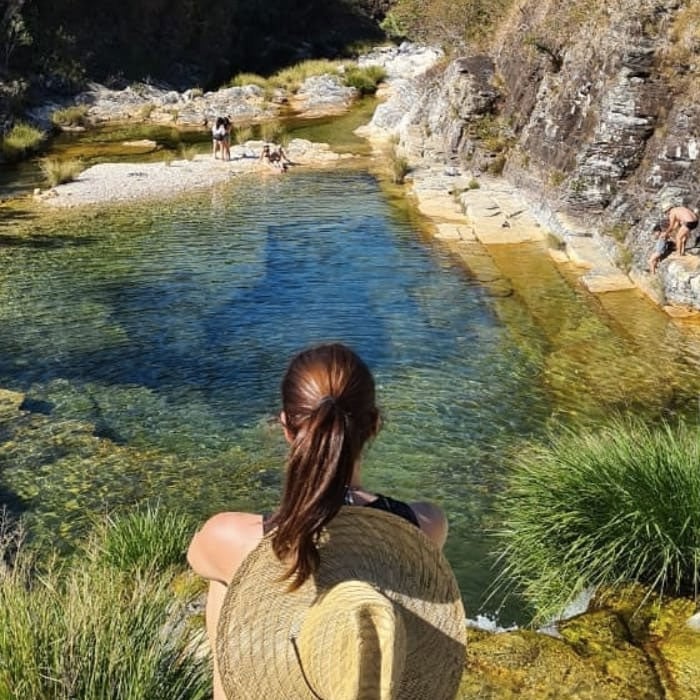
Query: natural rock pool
[150, 341]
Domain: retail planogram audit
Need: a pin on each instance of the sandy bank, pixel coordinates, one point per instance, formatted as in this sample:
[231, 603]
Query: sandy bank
[121, 182]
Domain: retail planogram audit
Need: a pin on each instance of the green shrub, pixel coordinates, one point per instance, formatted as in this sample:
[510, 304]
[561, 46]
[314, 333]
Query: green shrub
[150, 536]
[75, 115]
[291, 78]
[603, 507]
[57, 171]
[89, 631]
[21, 140]
[365, 80]
[243, 79]
[271, 131]
[473, 184]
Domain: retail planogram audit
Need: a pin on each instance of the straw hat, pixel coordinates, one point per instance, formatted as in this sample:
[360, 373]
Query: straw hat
[382, 619]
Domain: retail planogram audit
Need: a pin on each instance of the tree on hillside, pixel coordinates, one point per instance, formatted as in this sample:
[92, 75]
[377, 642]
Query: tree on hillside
[13, 31]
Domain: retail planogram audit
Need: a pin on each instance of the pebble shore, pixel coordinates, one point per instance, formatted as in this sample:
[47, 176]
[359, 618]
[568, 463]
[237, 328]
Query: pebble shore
[108, 183]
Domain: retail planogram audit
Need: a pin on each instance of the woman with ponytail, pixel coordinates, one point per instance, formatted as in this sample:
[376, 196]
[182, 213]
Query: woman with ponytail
[328, 417]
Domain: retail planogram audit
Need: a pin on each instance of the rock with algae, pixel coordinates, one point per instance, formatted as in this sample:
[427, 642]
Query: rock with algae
[623, 648]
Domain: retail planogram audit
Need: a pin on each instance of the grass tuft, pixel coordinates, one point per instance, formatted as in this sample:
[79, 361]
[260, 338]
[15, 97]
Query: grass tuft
[57, 171]
[86, 630]
[21, 140]
[291, 78]
[398, 166]
[75, 115]
[603, 508]
[148, 537]
[366, 79]
[243, 79]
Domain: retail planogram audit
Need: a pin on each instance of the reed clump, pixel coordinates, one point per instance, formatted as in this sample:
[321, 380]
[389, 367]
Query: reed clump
[398, 166]
[105, 624]
[21, 140]
[57, 171]
[601, 508]
[74, 115]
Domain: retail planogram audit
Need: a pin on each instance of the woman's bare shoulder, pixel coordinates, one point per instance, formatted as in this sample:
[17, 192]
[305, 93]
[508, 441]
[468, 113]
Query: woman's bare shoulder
[432, 521]
[222, 543]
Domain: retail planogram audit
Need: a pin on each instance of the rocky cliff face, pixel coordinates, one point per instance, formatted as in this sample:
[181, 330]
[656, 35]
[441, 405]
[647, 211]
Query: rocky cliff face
[592, 107]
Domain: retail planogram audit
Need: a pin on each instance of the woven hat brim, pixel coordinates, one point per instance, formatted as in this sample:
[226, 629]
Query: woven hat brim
[259, 615]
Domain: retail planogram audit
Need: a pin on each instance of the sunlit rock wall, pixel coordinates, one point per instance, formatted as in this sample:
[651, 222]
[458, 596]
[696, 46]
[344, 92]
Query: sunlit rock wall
[592, 107]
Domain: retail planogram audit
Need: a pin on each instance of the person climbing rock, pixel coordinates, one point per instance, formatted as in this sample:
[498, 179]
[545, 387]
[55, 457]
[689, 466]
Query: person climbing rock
[681, 220]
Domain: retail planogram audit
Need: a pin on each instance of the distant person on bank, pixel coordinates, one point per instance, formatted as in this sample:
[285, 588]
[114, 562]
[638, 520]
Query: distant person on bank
[662, 248]
[682, 221]
[218, 136]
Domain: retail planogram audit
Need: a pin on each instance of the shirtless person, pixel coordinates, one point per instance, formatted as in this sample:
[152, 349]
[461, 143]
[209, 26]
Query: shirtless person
[683, 219]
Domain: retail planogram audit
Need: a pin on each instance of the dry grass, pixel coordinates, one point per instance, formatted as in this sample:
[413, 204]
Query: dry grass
[57, 171]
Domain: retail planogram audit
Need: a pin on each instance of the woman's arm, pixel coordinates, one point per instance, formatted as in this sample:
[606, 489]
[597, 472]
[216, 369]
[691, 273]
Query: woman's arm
[218, 548]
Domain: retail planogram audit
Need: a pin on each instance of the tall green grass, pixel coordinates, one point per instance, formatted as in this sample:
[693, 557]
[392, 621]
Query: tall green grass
[291, 78]
[365, 79]
[603, 507]
[105, 625]
[21, 140]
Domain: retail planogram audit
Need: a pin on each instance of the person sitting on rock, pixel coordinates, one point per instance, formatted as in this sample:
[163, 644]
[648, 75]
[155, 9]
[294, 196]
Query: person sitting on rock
[265, 155]
[681, 220]
[279, 159]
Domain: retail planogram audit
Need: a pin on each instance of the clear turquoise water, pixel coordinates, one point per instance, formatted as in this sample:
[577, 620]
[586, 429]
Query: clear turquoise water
[150, 343]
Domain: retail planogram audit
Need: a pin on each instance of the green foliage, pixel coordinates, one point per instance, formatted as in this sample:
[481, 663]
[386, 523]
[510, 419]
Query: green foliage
[13, 30]
[365, 79]
[291, 78]
[473, 184]
[21, 140]
[603, 507]
[57, 171]
[196, 42]
[271, 131]
[243, 79]
[451, 23]
[75, 115]
[85, 630]
[148, 537]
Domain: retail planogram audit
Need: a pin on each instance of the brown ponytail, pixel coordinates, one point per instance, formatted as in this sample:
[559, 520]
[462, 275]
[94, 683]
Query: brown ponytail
[328, 401]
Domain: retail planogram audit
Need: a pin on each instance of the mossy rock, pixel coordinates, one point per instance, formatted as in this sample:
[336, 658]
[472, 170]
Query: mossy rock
[532, 666]
[626, 647]
[659, 626]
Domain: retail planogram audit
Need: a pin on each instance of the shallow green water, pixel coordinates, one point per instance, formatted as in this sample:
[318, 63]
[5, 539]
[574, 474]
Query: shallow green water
[150, 343]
